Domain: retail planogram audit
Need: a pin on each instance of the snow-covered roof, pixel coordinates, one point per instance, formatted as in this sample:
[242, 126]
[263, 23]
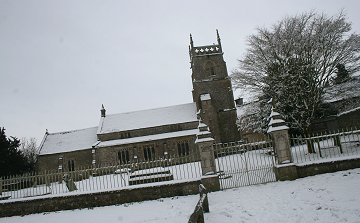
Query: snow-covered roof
[148, 138]
[148, 118]
[68, 141]
[348, 89]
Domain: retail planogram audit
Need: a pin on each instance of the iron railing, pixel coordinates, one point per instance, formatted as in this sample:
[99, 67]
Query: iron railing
[325, 147]
[173, 168]
[242, 164]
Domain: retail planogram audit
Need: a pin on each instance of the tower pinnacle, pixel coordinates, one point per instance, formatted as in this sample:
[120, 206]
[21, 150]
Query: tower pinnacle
[218, 37]
[103, 111]
[191, 41]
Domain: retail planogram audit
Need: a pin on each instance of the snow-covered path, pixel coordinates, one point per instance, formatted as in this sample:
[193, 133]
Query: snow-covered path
[333, 197]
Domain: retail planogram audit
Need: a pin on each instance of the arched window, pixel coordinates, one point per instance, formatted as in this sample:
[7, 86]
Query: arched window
[71, 165]
[149, 152]
[183, 149]
[123, 156]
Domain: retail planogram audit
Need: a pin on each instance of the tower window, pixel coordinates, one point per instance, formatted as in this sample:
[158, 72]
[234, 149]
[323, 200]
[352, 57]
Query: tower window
[210, 68]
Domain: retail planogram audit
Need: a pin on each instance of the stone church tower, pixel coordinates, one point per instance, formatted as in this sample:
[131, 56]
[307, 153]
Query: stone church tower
[212, 91]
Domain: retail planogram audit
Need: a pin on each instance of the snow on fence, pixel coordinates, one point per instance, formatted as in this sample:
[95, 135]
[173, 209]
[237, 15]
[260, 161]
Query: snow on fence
[202, 206]
[101, 178]
[325, 147]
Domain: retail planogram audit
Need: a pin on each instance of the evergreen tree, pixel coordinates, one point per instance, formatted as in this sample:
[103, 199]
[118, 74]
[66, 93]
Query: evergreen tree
[292, 86]
[12, 161]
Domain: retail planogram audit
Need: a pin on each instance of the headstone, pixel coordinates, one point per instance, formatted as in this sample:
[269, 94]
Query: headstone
[70, 184]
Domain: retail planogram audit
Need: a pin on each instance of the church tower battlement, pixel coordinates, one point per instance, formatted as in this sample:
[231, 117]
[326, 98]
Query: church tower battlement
[212, 91]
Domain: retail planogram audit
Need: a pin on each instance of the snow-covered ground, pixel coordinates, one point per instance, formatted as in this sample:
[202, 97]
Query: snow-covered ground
[332, 197]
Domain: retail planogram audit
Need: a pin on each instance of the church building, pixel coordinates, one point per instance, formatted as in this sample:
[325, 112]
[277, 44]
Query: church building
[155, 133]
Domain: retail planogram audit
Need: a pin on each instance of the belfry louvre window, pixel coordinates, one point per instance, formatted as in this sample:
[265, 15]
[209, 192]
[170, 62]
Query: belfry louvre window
[149, 152]
[123, 156]
[210, 68]
[183, 148]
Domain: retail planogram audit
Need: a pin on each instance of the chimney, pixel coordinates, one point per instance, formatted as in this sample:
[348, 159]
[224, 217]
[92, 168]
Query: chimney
[103, 111]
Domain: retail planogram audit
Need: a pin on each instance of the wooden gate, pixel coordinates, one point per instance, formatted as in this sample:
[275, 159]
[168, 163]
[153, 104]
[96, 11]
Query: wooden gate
[240, 164]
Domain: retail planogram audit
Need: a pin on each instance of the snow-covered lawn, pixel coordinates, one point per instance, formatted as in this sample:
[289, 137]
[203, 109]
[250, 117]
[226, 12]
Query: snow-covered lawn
[333, 197]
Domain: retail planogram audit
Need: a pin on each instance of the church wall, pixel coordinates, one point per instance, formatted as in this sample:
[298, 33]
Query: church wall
[351, 119]
[109, 155]
[223, 114]
[229, 132]
[335, 123]
[51, 162]
[221, 95]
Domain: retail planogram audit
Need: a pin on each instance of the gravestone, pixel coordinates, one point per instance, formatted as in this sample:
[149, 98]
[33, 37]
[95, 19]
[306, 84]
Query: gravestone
[70, 184]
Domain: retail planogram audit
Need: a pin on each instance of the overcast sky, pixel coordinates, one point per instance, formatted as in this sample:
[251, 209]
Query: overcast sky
[60, 60]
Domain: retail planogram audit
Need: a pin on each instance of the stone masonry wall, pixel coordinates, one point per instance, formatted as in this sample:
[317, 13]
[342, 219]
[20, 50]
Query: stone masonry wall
[82, 158]
[69, 202]
[109, 155]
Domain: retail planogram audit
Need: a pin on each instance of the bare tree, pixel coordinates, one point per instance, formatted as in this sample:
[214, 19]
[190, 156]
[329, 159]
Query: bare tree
[292, 47]
[30, 151]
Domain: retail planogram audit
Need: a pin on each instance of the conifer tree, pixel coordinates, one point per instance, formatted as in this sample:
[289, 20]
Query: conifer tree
[12, 160]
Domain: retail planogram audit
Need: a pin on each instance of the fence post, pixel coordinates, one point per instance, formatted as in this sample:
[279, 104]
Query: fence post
[280, 136]
[337, 142]
[205, 142]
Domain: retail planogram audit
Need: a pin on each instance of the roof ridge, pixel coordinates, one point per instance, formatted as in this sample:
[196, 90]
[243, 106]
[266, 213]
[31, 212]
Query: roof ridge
[151, 109]
[74, 130]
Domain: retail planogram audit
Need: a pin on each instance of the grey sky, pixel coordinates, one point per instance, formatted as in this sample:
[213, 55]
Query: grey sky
[60, 60]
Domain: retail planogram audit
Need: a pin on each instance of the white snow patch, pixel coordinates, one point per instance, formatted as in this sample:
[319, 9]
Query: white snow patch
[148, 118]
[68, 141]
[277, 128]
[332, 197]
[205, 97]
[347, 112]
[276, 121]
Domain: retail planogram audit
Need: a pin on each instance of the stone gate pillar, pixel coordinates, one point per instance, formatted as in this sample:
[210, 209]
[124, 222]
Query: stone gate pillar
[205, 142]
[280, 135]
[284, 168]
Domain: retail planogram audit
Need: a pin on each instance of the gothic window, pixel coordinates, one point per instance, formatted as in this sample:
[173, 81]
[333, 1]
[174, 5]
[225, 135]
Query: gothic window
[149, 152]
[183, 149]
[123, 156]
[71, 165]
[210, 68]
